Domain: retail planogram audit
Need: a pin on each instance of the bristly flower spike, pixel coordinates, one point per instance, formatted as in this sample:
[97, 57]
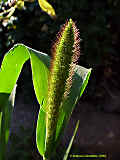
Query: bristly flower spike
[65, 52]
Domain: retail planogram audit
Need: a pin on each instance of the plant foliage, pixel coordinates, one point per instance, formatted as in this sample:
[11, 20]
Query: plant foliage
[12, 65]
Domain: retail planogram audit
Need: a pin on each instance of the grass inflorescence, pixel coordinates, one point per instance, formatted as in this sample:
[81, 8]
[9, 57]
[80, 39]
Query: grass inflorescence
[65, 52]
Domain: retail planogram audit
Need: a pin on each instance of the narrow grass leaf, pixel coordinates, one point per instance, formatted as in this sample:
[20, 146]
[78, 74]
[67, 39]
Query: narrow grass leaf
[71, 142]
[79, 83]
[5, 118]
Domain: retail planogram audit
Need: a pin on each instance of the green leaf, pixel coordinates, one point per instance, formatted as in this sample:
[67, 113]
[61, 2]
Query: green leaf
[9, 73]
[41, 132]
[40, 62]
[5, 117]
[40, 75]
[13, 63]
[80, 80]
[71, 142]
[79, 83]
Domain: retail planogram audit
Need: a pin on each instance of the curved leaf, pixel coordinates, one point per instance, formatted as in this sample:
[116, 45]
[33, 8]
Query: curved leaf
[9, 73]
[40, 62]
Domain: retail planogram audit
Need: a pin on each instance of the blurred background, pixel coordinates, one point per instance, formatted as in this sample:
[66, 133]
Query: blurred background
[99, 26]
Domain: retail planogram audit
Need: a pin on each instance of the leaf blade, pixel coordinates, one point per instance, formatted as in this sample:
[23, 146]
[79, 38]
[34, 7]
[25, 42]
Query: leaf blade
[71, 141]
[38, 60]
[76, 91]
[5, 118]
[12, 65]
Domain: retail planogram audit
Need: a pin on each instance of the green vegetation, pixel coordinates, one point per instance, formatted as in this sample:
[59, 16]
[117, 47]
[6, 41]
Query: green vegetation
[66, 81]
[99, 31]
[27, 23]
